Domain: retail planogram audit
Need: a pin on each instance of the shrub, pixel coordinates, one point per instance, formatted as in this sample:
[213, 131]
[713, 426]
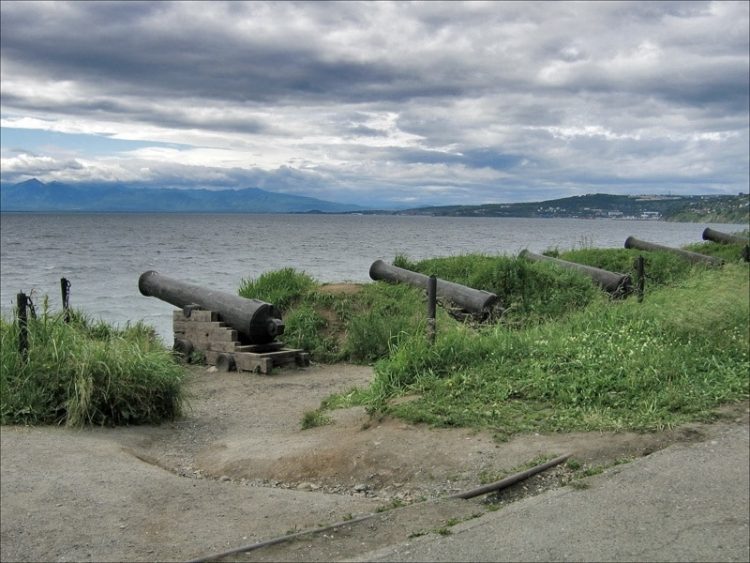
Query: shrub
[86, 372]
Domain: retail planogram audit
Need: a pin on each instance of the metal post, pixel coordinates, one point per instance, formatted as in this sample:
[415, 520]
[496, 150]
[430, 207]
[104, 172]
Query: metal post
[65, 287]
[23, 325]
[431, 308]
[640, 268]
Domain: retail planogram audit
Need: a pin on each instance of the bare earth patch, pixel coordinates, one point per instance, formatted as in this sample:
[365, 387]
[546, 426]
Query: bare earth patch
[238, 469]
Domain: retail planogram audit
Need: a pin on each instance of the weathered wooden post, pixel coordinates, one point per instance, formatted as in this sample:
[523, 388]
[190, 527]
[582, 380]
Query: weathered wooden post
[65, 288]
[431, 308]
[23, 325]
[640, 270]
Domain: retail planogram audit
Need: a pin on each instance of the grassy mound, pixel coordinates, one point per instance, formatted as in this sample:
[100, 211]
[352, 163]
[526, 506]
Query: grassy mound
[86, 372]
[610, 366]
[339, 323]
[563, 357]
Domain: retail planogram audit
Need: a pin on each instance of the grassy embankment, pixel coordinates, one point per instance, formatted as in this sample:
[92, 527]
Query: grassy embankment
[86, 372]
[562, 357]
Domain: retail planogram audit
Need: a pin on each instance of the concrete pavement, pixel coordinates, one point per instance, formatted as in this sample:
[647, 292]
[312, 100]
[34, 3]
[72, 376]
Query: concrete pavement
[688, 502]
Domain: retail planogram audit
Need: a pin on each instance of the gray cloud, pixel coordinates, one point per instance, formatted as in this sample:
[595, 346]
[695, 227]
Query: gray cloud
[499, 100]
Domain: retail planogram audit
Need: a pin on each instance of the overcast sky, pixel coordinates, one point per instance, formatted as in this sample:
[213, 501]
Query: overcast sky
[380, 103]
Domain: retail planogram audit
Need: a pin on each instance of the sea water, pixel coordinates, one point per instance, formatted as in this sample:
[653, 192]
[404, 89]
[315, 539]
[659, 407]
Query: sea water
[103, 255]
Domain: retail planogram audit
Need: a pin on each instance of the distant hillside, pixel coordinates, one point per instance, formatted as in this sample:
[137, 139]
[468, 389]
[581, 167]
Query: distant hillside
[33, 195]
[718, 209]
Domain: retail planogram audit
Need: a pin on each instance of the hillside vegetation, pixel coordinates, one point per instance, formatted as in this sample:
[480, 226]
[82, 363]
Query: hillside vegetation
[86, 372]
[699, 208]
[563, 356]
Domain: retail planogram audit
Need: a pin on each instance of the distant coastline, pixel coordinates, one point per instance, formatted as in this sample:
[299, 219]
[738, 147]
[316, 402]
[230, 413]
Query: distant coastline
[33, 196]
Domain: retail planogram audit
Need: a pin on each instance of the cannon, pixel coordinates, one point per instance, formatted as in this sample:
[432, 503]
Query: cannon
[474, 301]
[619, 285]
[724, 238]
[258, 322]
[694, 257]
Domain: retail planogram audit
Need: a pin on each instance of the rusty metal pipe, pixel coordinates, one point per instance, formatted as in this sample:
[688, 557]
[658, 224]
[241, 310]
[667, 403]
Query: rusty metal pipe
[694, 257]
[612, 282]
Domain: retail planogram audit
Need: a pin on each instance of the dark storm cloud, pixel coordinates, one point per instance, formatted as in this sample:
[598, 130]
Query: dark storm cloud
[145, 49]
[399, 97]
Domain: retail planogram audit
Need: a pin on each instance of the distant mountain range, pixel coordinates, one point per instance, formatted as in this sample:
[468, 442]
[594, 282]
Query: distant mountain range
[33, 195]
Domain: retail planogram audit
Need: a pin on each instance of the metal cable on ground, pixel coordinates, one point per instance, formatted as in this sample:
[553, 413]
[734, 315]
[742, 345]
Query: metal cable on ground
[511, 480]
[496, 486]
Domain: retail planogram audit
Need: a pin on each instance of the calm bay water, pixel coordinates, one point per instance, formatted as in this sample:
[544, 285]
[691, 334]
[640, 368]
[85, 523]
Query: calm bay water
[104, 254]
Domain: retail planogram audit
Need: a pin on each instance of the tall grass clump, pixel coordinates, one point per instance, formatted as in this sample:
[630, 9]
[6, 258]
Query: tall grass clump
[86, 372]
[610, 366]
[361, 327]
[385, 314]
[281, 288]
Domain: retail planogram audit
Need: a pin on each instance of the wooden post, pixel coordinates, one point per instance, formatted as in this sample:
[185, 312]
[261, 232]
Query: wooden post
[640, 268]
[65, 287]
[431, 308]
[23, 326]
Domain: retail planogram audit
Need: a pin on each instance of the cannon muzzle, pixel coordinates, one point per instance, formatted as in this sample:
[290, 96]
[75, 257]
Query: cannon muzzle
[694, 257]
[618, 285]
[258, 321]
[474, 301]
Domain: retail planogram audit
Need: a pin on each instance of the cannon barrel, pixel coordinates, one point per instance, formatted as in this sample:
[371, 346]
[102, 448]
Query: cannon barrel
[474, 301]
[694, 257]
[260, 322]
[724, 238]
[614, 283]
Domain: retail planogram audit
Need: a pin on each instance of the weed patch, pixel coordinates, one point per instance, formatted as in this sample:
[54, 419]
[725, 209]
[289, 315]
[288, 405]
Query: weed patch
[311, 419]
[86, 372]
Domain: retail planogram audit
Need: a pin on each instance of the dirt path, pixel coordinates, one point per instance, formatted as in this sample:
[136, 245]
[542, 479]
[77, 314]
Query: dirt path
[238, 469]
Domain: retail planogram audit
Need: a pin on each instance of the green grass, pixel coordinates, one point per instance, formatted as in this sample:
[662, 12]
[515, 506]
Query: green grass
[86, 372]
[563, 357]
[661, 268]
[610, 366]
[727, 252]
[281, 288]
[359, 327]
[530, 292]
[313, 419]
